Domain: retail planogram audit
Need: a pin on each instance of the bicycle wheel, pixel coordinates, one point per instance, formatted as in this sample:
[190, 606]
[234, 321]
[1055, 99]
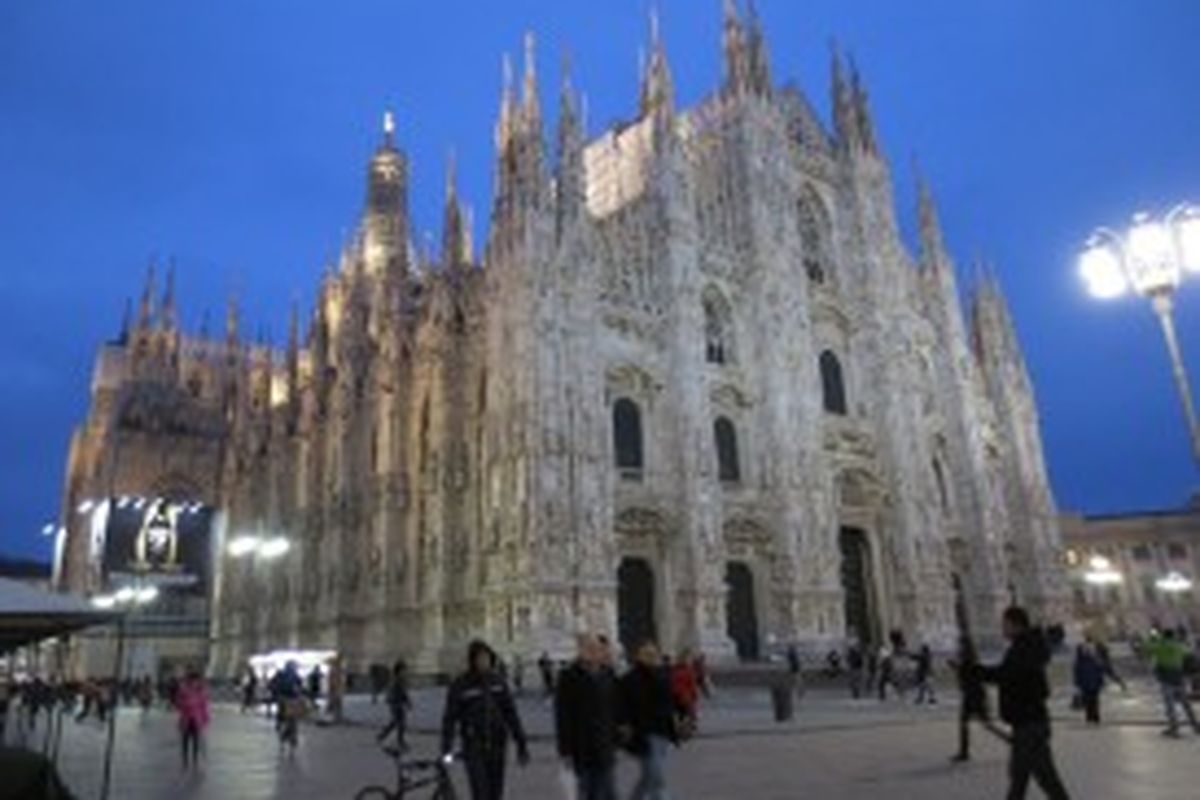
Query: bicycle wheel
[374, 793]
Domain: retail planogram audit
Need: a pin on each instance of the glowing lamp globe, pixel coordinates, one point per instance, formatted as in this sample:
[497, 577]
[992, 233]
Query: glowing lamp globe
[1150, 256]
[1100, 267]
[1187, 231]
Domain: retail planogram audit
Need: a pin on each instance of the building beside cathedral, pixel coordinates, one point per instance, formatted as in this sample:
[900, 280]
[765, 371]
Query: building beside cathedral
[695, 387]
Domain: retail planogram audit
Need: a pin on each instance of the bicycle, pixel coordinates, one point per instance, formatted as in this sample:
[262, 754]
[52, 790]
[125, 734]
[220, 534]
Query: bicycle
[287, 723]
[412, 775]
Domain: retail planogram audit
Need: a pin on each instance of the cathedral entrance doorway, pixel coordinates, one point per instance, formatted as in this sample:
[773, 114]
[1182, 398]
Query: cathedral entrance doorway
[857, 586]
[740, 614]
[635, 603]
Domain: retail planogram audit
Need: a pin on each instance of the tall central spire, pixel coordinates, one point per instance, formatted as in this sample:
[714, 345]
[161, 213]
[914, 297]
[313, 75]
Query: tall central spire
[384, 227]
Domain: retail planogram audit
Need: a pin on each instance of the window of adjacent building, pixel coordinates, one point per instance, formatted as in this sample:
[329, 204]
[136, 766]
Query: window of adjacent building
[833, 387]
[1141, 552]
[627, 437]
[1177, 551]
[725, 434]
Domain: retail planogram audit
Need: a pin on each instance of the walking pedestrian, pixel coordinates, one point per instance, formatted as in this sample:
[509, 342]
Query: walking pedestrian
[191, 704]
[480, 710]
[854, 669]
[249, 690]
[648, 721]
[399, 704]
[796, 670]
[974, 705]
[1021, 676]
[1089, 680]
[585, 717]
[685, 692]
[1110, 669]
[1168, 657]
[314, 684]
[924, 676]
[887, 672]
[546, 668]
[286, 688]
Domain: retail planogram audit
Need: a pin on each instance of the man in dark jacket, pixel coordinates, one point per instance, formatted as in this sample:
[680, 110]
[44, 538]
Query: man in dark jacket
[399, 705]
[480, 710]
[1021, 677]
[585, 710]
[648, 719]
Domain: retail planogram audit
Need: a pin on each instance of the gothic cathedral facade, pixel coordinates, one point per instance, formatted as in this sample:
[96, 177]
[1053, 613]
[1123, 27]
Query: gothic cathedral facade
[695, 388]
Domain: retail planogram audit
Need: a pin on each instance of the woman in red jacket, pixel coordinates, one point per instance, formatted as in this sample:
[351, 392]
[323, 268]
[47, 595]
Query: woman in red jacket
[191, 702]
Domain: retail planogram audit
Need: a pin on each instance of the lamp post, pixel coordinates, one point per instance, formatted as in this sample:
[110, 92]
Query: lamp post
[1150, 258]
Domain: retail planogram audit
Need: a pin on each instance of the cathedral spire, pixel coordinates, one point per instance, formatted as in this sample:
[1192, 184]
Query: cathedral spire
[126, 322]
[384, 228]
[531, 108]
[864, 125]
[658, 88]
[933, 247]
[733, 40]
[453, 245]
[569, 183]
[146, 306]
[508, 106]
[841, 98]
[758, 57]
[167, 318]
[231, 322]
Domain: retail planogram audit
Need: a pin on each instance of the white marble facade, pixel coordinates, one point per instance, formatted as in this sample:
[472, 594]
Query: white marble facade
[695, 386]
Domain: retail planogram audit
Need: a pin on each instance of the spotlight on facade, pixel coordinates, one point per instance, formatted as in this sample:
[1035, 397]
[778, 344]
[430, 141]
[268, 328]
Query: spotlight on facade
[1101, 573]
[125, 594]
[139, 504]
[241, 546]
[1174, 583]
[274, 547]
[48, 529]
[104, 601]
[122, 502]
[85, 506]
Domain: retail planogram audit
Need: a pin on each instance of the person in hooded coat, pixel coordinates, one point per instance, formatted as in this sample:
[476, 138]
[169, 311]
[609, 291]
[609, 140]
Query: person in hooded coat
[480, 711]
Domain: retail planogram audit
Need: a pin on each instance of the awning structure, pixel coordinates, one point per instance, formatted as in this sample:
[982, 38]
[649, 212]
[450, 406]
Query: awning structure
[29, 615]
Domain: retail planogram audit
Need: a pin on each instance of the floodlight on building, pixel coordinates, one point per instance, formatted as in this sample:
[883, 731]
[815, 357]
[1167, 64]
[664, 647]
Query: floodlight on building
[1174, 583]
[104, 601]
[85, 506]
[125, 594]
[48, 529]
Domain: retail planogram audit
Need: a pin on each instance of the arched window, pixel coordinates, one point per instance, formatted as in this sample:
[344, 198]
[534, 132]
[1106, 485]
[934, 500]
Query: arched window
[814, 237]
[718, 329]
[727, 450]
[627, 437]
[832, 386]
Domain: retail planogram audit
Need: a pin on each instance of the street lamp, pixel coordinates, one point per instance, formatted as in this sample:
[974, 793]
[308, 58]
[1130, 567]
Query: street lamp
[1174, 583]
[1100, 572]
[267, 548]
[1150, 258]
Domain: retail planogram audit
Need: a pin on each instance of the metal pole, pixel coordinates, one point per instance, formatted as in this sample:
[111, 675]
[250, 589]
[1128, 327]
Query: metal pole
[106, 784]
[1163, 307]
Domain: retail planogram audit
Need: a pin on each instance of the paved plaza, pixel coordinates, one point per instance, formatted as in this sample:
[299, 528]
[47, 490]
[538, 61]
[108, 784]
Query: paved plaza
[836, 748]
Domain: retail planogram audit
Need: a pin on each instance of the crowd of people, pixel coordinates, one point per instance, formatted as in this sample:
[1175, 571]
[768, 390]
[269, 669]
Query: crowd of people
[649, 708]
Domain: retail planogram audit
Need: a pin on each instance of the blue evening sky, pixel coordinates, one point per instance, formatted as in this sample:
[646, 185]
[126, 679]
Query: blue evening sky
[233, 135]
